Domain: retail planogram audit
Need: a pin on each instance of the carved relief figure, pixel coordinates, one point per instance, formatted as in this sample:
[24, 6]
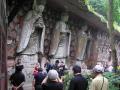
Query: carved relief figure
[61, 39]
[82, 43]
[32, 36]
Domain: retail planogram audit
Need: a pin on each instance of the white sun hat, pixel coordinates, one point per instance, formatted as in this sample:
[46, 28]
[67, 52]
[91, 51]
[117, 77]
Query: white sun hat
[98, 68]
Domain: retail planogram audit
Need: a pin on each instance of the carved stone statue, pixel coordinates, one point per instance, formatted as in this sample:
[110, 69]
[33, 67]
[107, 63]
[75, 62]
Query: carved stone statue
[32, 36]
[82, 43]
[61, 39]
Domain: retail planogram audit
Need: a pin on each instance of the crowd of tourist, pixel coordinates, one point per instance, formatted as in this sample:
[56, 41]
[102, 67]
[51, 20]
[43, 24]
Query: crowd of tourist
[52, 78]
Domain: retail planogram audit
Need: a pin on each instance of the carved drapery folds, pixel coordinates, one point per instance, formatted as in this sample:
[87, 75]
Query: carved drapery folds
[33, 31]
[50, 19]
[37, 37]
[60, 44]
[31, 44]
[82, 43]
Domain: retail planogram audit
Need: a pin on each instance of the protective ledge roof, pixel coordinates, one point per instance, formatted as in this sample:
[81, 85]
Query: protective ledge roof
[79, 8]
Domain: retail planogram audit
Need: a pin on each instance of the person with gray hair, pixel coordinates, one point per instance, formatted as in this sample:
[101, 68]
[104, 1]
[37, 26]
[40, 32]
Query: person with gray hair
[52, 81]
[99, 82]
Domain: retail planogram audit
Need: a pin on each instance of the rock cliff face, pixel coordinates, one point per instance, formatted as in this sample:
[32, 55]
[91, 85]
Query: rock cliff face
[103, 47]
[97, 49]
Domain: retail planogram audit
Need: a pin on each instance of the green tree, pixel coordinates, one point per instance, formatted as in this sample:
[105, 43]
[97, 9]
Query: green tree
[101, 7]
[111, 33]
[110, 9]
[116, 11]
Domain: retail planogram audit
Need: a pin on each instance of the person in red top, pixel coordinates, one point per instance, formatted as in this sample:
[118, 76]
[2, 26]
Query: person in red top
[35, 71]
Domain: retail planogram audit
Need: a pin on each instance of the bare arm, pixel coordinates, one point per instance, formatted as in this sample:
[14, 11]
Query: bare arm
[45, 80]
[21, 85]
[33, 83]
[59, 80]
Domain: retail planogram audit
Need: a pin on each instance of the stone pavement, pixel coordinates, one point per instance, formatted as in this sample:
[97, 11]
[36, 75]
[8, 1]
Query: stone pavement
[28, 86]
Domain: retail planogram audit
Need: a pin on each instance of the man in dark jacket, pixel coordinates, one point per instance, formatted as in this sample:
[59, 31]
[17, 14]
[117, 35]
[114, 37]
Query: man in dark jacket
[78, 82]
[48, 66]
[18, 78]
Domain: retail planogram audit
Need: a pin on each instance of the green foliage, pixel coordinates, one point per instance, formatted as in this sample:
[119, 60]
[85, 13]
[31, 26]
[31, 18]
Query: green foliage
[67, 79]
[116, 11]
[114, 80]
[100, 8]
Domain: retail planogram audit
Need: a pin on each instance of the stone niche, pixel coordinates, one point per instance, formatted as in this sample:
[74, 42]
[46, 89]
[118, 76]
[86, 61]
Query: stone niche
[50, 16]
[97, 49]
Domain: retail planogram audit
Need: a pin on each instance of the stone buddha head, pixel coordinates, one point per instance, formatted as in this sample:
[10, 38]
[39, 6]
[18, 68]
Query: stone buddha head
[64, 16]
[84, 28]
[39, 5]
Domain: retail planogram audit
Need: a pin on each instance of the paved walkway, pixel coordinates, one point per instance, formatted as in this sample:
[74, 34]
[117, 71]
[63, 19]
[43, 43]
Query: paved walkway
[28, 86]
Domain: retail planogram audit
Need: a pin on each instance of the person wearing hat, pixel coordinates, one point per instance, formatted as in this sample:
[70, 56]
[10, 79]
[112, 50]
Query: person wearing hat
[52, 81]
[99, 82]
[78, 82]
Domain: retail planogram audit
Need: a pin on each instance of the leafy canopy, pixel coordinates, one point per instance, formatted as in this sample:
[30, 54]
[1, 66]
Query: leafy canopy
[100, 8]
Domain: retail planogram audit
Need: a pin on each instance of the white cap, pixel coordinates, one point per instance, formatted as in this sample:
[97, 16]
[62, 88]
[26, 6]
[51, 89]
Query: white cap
[98, 68]
[52, 74]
